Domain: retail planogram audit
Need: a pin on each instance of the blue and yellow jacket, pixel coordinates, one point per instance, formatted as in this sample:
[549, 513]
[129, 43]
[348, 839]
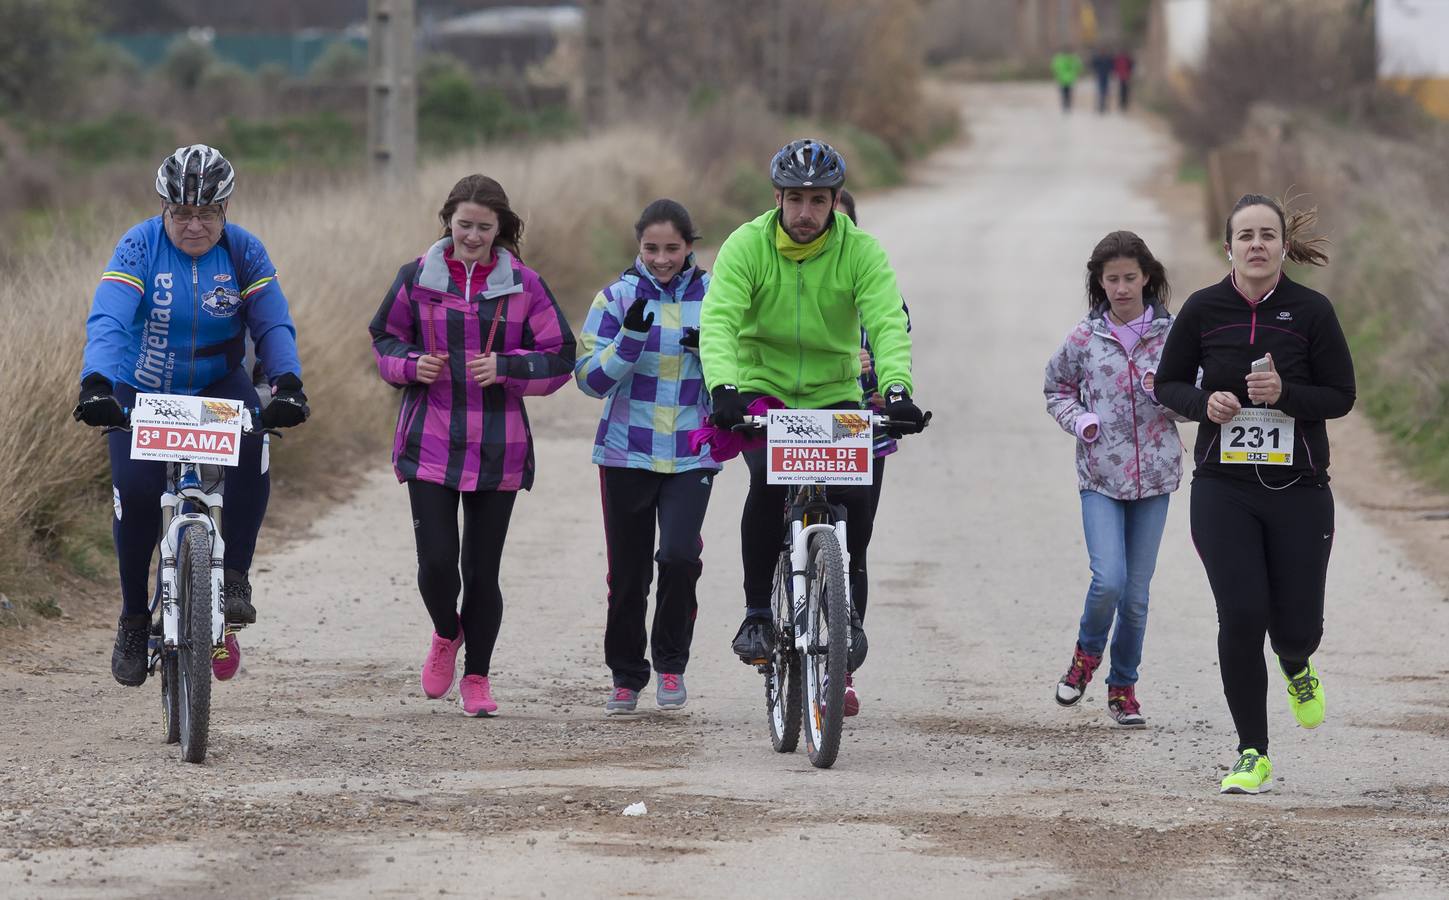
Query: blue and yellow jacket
[164, 322]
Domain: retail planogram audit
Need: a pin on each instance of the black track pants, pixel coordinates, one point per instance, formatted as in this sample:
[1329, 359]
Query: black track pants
[440, 557]
[1266, 554]
[635, 501]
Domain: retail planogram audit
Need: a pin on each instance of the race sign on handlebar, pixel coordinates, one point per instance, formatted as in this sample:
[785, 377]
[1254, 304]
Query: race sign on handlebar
[178, 428]
[819, 446]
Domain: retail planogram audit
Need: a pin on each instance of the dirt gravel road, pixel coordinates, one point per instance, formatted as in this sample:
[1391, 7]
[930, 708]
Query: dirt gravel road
[331, 776]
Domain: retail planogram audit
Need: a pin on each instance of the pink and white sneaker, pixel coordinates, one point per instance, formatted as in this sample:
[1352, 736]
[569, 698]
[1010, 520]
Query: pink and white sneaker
[226, 659]
[476, 696]
[852, 701]
[441, 664]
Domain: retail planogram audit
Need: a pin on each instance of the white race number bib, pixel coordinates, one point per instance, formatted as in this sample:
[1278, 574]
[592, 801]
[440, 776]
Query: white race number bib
[1259, 436]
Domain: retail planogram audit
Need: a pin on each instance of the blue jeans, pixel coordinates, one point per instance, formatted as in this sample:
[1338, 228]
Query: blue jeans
[1122, 541]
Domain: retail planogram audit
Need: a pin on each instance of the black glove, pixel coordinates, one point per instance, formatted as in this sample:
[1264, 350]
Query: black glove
[635, 320]
[289, 405]
[98, 406]
[729, 407]
[690, 339]
[903, 411]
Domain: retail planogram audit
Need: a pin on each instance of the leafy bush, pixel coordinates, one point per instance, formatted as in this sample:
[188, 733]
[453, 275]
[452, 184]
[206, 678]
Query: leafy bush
[341, 61]
[121, 135]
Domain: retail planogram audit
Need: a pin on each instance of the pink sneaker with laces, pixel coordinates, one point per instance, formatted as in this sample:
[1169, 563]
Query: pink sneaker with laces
[852, 701]
[226, 659]
[441, 664]
[475, 695]
[1079, 674]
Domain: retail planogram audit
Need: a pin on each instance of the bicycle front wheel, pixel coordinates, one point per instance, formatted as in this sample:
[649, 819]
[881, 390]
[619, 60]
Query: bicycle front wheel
[827, 624]
[193, 652]
[782, 680]
[170, 697]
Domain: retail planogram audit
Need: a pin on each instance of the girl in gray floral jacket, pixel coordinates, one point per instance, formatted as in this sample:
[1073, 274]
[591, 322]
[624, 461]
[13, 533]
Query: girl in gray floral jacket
[1129, 457]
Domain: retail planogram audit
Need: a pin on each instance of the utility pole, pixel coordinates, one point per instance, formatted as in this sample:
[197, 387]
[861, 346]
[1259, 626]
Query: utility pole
[392, 101]
[596, 66]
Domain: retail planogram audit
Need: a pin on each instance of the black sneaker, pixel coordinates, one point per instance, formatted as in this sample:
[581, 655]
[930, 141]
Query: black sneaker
[754, 644]
[236, 599]
[129, 656]
[858, 646]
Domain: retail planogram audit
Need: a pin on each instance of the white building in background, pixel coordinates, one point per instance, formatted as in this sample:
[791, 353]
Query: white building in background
[1187, 23]
[1413, 49]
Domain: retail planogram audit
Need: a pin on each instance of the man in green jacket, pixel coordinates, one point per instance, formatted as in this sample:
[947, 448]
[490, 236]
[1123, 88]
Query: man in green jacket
[790, 292]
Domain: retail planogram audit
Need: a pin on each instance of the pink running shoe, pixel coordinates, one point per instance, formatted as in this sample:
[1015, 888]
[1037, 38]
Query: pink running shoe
[476, 696]
[226, 659]
[852, 702]
[441, 664]
[1079, 674]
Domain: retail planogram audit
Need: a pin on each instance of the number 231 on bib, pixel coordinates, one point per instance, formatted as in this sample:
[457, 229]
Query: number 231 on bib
[1258, 436]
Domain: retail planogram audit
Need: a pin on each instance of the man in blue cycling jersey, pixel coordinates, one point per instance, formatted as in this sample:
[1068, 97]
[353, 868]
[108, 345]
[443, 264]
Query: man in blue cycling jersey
[171, 315]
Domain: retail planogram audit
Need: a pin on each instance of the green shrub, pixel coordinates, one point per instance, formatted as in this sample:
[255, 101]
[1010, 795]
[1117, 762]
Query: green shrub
[121, 135]
[326, 138]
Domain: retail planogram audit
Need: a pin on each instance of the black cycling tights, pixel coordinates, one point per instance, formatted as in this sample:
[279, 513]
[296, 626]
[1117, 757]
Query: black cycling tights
[485, 526]
[1266, 555]
[762, 532]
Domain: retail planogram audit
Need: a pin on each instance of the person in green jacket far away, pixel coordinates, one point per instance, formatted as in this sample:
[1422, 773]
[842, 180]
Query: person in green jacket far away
[782, 318]
[1067, 67]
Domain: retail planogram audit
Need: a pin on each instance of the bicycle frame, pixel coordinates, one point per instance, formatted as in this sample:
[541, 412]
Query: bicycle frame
[186, 484]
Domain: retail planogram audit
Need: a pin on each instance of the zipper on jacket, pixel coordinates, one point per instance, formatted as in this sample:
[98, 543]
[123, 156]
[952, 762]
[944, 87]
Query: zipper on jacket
[195, 315]
[799, 341]
[1253, 327]
[1132, 392]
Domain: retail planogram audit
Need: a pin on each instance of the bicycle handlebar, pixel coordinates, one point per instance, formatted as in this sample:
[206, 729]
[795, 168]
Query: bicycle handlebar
[758, 423]
[254, 414]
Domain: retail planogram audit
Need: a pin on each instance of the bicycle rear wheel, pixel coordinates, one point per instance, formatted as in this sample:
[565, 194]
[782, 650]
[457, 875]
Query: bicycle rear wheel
[193, 652]
[827, 625]
[782, 680]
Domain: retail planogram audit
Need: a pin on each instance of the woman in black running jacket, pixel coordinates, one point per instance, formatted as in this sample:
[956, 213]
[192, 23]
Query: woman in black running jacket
[1274, 366]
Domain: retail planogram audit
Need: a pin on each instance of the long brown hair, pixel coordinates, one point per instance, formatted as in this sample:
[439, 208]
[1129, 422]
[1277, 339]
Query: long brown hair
[1296, 224]
[1126, 245]
[484, 191]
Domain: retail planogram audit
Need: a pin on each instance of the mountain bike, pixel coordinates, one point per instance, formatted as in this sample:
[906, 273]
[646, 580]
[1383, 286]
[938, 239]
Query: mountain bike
[188, 618]
[812, 607]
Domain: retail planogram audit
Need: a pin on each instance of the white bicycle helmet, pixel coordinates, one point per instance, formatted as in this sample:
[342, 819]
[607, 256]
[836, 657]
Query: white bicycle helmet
[197, 175]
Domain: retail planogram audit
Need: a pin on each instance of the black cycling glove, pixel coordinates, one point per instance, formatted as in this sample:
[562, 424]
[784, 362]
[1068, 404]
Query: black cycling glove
[729, 407]
[903, 412]
[634, 318]
[98, 406]
[289, 405]
[690, 339]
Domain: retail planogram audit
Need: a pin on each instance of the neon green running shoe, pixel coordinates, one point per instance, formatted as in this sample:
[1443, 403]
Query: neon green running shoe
[1305, 696]
[1253, 774]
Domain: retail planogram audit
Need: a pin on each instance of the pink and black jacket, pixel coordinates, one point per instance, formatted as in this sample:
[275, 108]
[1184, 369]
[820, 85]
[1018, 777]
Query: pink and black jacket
[453, 432]
[1220, 332]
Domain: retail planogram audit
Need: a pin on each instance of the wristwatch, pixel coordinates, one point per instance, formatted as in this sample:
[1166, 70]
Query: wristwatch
[895, 392]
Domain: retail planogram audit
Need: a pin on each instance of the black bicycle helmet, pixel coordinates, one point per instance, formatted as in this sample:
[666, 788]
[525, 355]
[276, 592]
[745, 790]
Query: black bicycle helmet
[807, 163]
[195, 176]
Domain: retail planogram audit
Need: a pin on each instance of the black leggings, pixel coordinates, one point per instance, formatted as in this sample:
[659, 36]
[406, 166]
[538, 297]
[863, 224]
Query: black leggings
[1266, 554]
[485, 526]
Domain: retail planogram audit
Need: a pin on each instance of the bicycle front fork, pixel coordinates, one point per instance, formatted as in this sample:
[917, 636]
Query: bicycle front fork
[799, 561]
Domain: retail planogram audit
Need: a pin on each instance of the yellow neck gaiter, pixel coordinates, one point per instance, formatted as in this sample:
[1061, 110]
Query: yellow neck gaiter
[798, 252]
